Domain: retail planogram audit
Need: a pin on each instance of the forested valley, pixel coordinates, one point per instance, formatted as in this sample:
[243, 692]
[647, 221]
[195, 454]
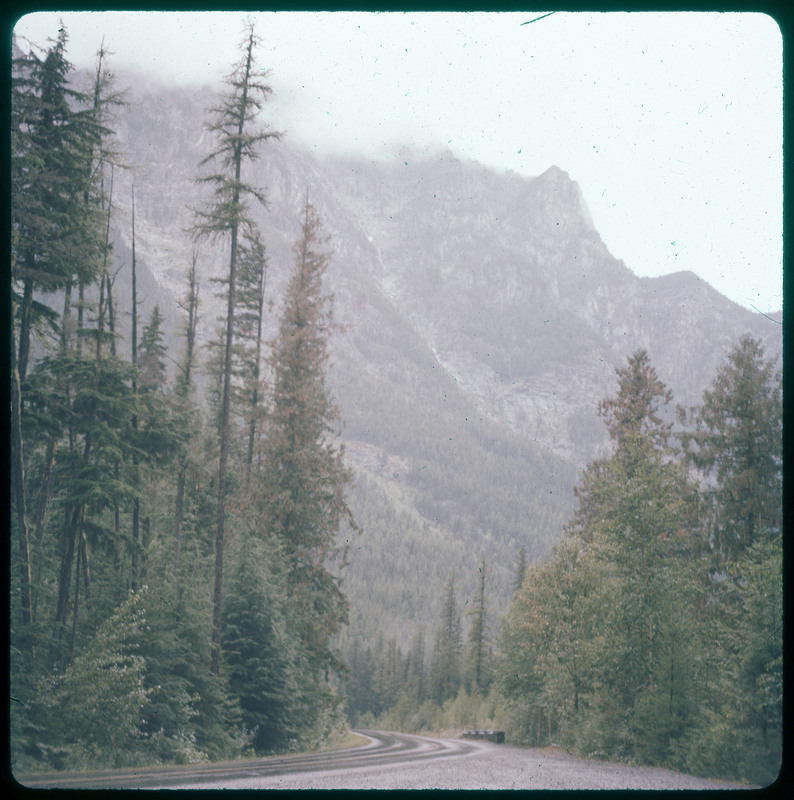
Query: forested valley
[189, 573]
[652, 633]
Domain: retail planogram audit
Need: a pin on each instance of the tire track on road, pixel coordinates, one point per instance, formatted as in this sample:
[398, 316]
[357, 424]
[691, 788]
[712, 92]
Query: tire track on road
[383, 748]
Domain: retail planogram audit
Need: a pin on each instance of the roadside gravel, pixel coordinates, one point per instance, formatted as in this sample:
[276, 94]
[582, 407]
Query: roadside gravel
[489, 767]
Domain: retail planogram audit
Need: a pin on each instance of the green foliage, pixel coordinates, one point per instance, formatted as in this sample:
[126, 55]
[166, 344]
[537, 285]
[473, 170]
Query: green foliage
[627, 643]
[477, 667]
[57, 234]
[122, 471]
[265, 668]
[550, 638]
[304, 477]
[446, 663]
[174, 662]
[462, 712]
[227, 214]
[738, 725]
[652, 632]
[737, 444]
[151, 358]
[102, 698]
[417, 691]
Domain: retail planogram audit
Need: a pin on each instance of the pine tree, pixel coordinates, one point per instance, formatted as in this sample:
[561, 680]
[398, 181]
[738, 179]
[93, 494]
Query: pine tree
[632, 418]
[93, 401]
[386, 680]
[227, 214]
[737, 445]
[56, 233]
[478, 676]
[175, 671]
[103, 695]
[633, 413]
[607, 623]
[161, 430]
[359, 692]
[304, 476]
[446, 667]
[260, 657]
[151, 361]
[635, 506]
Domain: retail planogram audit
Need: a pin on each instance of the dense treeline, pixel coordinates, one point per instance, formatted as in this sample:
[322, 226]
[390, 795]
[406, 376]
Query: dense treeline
[439, 683]
[465, 467]
[175, 584]
[175, 589]
[434, 492]
[653, 631]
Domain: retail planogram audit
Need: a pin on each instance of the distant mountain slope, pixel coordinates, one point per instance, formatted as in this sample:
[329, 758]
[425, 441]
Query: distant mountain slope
[484, 318]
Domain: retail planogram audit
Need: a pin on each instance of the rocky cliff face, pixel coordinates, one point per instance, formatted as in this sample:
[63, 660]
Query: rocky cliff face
[501, 279]
[464, 291]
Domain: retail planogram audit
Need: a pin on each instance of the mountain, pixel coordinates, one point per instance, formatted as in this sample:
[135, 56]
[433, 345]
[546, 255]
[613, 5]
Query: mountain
[483, 319]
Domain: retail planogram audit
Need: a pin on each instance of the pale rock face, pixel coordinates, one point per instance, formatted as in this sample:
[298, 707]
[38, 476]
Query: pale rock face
[502, 278]
[470, 290]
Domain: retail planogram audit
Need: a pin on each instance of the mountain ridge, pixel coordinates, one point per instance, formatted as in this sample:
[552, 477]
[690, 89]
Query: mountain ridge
[477, 307]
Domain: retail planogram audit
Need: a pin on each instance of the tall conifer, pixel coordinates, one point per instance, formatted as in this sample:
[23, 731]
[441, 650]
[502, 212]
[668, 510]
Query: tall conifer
[304, 475]
[226, 215]
[738, 445]
[477, 668]
[446, 658]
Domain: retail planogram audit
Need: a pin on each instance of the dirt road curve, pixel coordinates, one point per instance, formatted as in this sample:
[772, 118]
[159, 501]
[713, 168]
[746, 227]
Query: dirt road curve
[397, 761]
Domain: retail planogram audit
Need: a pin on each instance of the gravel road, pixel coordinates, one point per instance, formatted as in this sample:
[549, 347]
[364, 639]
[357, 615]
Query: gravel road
[453, 764]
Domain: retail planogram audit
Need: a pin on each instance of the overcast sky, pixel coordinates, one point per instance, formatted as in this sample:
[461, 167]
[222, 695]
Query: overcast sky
[670, 123]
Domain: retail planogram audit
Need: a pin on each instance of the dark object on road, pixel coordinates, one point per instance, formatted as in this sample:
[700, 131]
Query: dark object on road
[497, 737]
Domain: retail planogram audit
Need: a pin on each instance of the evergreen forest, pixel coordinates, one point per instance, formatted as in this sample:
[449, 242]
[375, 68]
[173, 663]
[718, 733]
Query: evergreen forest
[181, 517]
[653, 631]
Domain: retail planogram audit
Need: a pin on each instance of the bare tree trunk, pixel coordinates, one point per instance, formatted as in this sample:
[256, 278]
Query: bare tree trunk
[215, 660]
[257, 365]
[222, 462]
[45, 493]
[86, 570]
[134, 359]
[178, 516]
[18, 488]
[25, 322]
[112, 331]
[68, 541]
[80, 310]
[76, 603]
[104, 283]
[71, 530]
[185, 382]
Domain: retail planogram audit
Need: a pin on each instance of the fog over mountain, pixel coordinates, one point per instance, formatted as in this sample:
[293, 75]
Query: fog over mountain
[482, 320]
